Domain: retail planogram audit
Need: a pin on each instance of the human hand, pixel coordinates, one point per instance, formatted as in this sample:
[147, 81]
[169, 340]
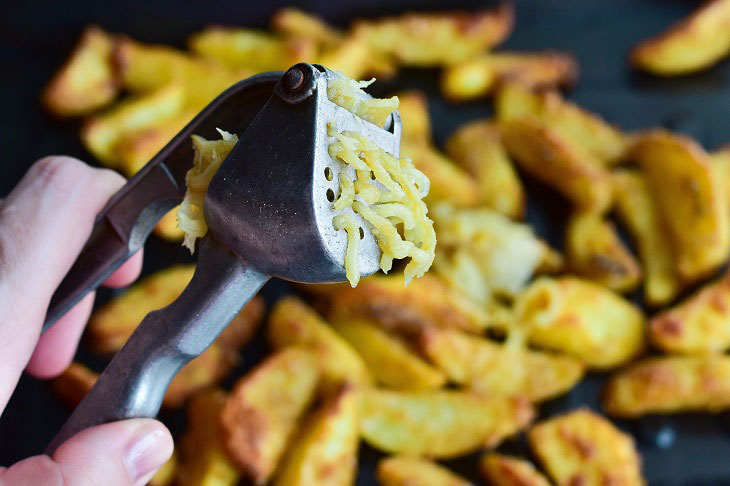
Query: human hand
[44, 223]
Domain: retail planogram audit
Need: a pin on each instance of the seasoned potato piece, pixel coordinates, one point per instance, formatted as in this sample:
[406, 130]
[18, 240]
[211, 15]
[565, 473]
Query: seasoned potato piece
[693, 44]
[413, 109]
[389, 359]
[691, 201]
[594, 250]
[637, 211]
[577, 125]
[262, 411]
[552, 158]
[293, 22]
[582, 447]
[412, 470]
[203, 461]
[427, 301]
[440, 423]
[449, 182]
[74, 383]
[699, 324]
[477, 148]
[354, 59]
[721, 166]
[477, 77]
[581, 318]
[101, 133]
[494, 369]
[167, 227]
[670, 384]
[552, 260]
[292, 322]
[165, 476]
[501, 470]
[86, 82]
[325, 453]
[436, 38]
[251, 50]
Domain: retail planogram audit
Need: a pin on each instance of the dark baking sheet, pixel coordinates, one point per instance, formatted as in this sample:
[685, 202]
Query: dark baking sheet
[35, 37]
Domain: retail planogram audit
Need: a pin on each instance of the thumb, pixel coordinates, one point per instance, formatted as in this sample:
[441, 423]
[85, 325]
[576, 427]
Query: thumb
[116, 454]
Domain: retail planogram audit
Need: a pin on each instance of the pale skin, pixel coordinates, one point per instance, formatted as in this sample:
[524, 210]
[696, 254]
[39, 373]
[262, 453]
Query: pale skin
[44, 223]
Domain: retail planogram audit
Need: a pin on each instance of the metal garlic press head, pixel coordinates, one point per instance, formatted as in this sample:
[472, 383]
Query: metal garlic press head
[271, 200]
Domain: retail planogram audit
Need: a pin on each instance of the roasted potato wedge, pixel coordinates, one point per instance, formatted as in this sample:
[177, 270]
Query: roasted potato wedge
[582, 319]
[203, 461]
[74, 383]
[477, 148]
[637, 211]
[427, 301]
[167, 227]
[251, 50]
[436, 38]
[501, 470]
[440, 423]
[577, 125]
[669, 385]
[293, 22]
[165, 476]
[412, 470]
[493, 369]
[449, 182]
[582, 447]
[699, 324]
[692, 203]
[477, 77]
[693, 44]
[721, 165]
[392, 363]
[261, 413]
[594, 251]
[325, 453]
[86, 82]
[549, 156]
[416, 120]
[292, 322]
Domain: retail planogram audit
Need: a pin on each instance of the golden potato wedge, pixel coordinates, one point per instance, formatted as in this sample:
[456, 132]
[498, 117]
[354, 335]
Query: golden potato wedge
[415, 118]
[577, 125]
[261, 413]
[552, 260]
[449, 182]
[325, 452]
[721, 165]
[74, 383]
[478, 77]
[477, 148]
[251, 50]
[493, 369]
[293, 22]
[354, 59]
[637, 211]
[690, 199]
[100, 134]
[501, 470]
[292, 322]
[552, 158]
[670, 384]
[594, 251]
[582, 447]
[699, 324]
[436, 38]
[203, 462]
[581, 318]
[165, 476]
[86, 82]
[427, 301]
[167, 227]
[413, 470]
[392, 363]
[693, 44]
[439, 423]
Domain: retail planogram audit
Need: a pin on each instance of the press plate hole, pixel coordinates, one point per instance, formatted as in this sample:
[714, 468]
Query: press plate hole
[328, 173]
[362, 233]
[330, 195]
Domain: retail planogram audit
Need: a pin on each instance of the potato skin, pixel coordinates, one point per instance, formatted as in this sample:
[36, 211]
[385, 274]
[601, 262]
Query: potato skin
[412, 470]
[582, 447]
[669, 385]
[501, 470]
[439, 424]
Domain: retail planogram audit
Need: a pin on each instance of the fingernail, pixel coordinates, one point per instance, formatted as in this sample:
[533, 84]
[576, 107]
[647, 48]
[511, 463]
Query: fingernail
[148, 449]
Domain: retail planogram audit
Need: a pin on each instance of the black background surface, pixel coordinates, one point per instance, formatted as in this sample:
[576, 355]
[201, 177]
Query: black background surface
[35, 37]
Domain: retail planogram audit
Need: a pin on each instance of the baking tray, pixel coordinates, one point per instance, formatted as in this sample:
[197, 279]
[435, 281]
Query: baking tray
[35, 37]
